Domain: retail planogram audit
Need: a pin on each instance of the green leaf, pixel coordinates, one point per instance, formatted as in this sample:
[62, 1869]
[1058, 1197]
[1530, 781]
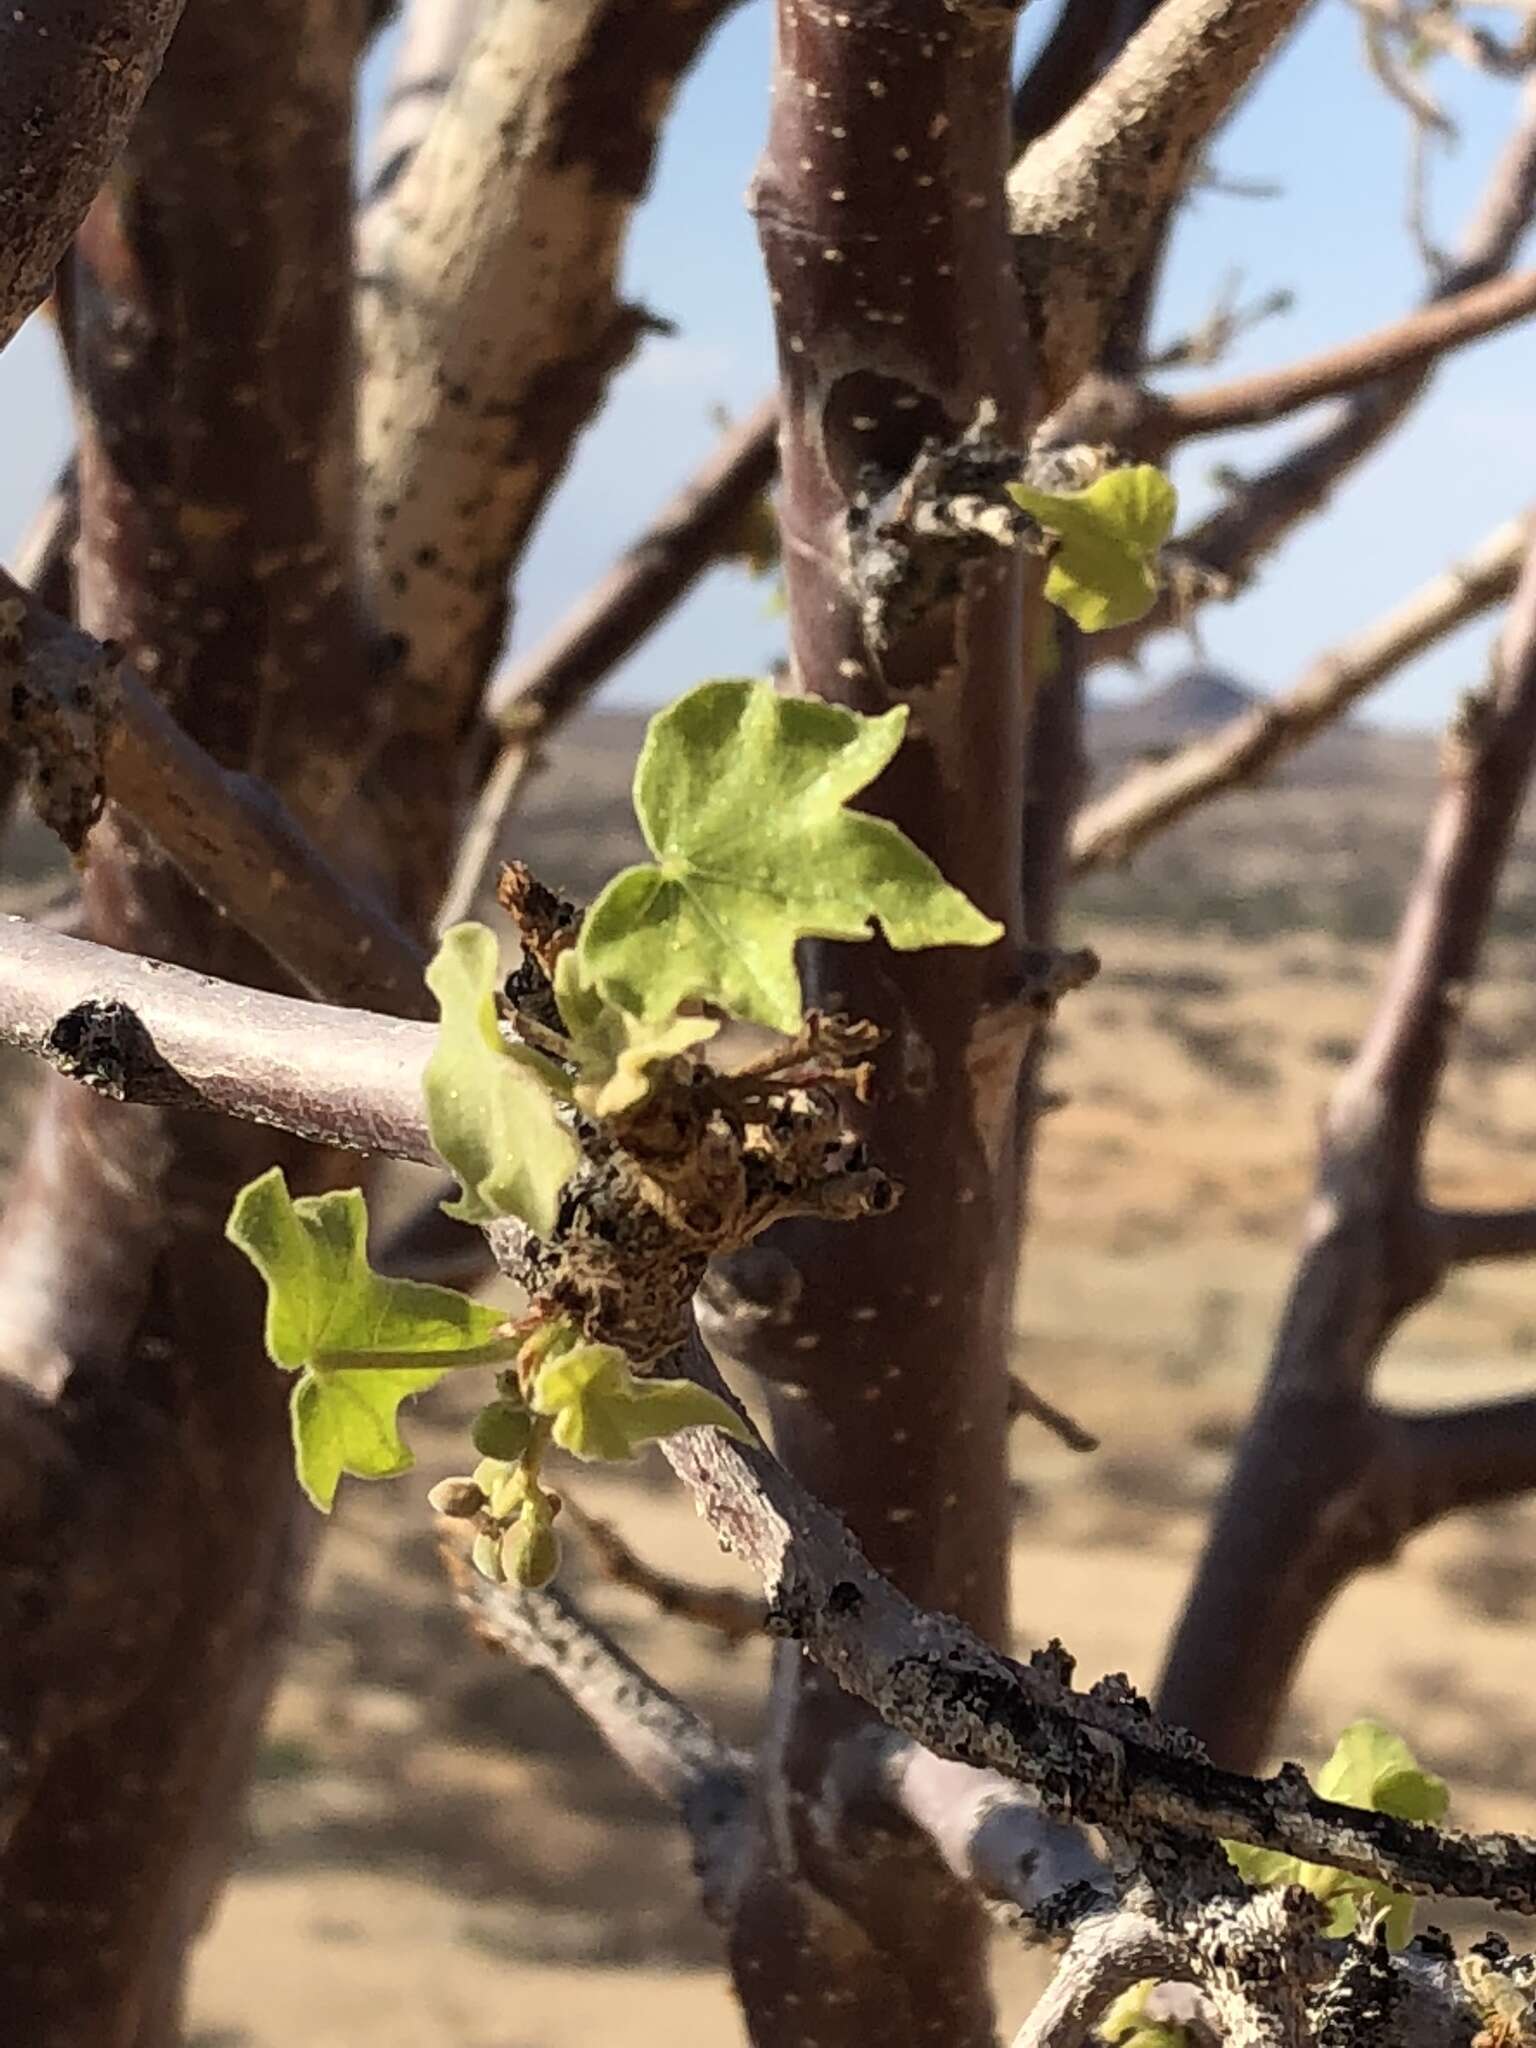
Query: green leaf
[614, 1051]
[600, 1410]
[1126, 2025]
[1104, 570]
[741, 796]
[1375, 1769]
[350, 1422]
[329, 1314]
[1372, 1767]
[490, 1102]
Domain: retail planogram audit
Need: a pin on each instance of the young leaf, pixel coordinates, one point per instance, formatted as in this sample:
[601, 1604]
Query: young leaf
[350, 1422]
[327, 1311]
[1373, 1768]
[741, 795]
[489, 1103]
[615, 1051]
[600, 1410]
[1126, 2024]
[1103, 571]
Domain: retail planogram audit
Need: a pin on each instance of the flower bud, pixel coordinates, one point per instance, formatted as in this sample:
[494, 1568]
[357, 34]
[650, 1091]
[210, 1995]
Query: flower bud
[530, 1553]
[459, 1499]
[502, 1430]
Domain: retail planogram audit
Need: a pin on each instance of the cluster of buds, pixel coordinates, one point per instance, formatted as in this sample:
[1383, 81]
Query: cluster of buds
[513, 1517]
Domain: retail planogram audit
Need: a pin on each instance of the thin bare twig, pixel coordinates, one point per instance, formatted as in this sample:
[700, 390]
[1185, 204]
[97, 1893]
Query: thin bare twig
[666, 1745]
[1432, 331]
[730, 1614]
[1024, 1400]
[1227, 321]
[140, 1031]
[1155, 796]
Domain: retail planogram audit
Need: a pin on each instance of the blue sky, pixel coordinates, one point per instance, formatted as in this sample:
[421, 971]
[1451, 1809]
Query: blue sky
[1318, 125]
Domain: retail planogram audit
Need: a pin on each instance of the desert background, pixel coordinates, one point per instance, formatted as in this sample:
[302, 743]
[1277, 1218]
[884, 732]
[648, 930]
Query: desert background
[438, 1855]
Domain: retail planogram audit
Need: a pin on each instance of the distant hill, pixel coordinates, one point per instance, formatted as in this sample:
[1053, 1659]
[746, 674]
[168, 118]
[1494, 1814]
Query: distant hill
[1193, 702]
[1198, 701]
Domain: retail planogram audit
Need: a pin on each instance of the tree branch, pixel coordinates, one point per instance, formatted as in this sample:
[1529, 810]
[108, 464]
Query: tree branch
[664, 1743]
[535, 695]
[730, 1614]
[1317, 1488]
[995, 1838]
[1225, 548]
[137, 1030]
[1066, 65]
[490, 323]
[1472, 1457]
[1109, 1953]
[1433, 331]
[71, 85]
[1471, 1236]
[1097, 1756]
[435, 36]
[1153, 797]
[1084, 200]
[91, 729]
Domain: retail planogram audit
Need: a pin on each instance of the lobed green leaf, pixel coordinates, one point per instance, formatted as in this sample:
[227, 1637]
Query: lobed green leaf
[741, 795]
[1104, 570]
[601, 1411]
[613, 1050]
[329, 1317]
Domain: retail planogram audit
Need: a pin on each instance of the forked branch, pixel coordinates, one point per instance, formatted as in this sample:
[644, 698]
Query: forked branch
[1225, 548]
[1318, 1487]
[1097, 1755]
[91, 730]
[1085, 200]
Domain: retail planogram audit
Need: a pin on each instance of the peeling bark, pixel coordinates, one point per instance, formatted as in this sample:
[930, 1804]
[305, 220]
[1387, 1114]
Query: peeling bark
[491, 322]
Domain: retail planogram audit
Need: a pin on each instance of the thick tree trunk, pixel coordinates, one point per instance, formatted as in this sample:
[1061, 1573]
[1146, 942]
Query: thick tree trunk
[880, 206]
[149, 1512]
